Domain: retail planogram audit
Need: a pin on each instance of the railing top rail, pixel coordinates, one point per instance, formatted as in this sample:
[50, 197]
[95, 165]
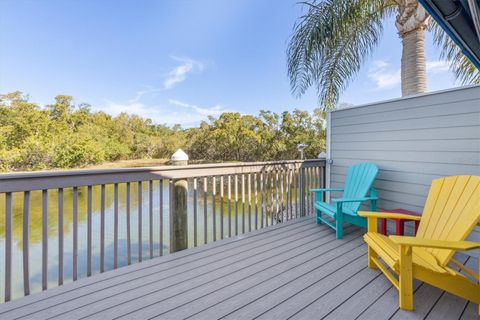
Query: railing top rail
[40, 180]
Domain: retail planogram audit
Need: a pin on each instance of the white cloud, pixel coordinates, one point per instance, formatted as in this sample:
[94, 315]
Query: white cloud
[140, 93]
[175, 76]
[437, 66]
[386, 77]
[188, 115]
[180, 72]
[212, 111]
[382, 75]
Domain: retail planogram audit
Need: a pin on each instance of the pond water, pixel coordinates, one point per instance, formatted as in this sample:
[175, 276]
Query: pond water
[35, 257]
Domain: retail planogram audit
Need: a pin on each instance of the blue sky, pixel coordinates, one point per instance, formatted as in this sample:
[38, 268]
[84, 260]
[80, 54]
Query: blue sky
[175, 61]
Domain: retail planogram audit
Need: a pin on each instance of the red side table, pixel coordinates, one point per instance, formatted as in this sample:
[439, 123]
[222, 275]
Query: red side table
[400, 223]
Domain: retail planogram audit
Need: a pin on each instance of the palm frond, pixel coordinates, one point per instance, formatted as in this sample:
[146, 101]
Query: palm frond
[330, 43]
[464, 70]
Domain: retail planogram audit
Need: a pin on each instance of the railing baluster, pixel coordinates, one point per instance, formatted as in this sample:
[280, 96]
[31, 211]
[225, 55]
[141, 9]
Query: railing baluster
[139, 221]
[115, 226]
[170, 201]
[236, 204]
[214, 207]
[307, 189]
[150, 212]
[75, 233]
[261, 200]
[129, 244]
[255, 199]
[102, 228]
[25, 234]
[314, 182]
[89, 230]
[161, 216]
[271, 198]
[314, 185]
[249, 180]
[221, 208]
[8, 246]
[296, 185]
[288, 192]
[44, 239]
[243, 203]
[306, 194]
[286, 177]
[277, 198]
[195, 200]
[310, 183]
[229, 198]
[292, 186]
[282, 207]
[266, 199]
[60, 236]
[205, 224]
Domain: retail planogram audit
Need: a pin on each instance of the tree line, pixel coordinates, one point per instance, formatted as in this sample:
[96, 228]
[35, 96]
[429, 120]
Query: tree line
[64, 135]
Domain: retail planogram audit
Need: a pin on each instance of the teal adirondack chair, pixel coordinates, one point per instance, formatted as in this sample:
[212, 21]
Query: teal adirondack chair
[358, 183]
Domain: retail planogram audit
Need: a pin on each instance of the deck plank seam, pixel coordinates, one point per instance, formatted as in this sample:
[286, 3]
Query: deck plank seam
[464, 309]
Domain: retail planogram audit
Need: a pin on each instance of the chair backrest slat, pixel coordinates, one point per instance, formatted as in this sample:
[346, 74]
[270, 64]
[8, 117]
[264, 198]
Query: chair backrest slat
[451, 212]
[359, 180]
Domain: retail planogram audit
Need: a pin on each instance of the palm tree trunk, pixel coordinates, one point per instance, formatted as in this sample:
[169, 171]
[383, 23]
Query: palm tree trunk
[413, 65]
[411, 23]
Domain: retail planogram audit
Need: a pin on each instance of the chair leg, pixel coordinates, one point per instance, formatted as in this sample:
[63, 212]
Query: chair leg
[371, 255]
[319, 217]
[405, 293]
[339, 226]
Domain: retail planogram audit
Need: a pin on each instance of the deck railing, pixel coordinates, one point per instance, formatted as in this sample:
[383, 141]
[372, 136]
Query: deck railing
[81, 222]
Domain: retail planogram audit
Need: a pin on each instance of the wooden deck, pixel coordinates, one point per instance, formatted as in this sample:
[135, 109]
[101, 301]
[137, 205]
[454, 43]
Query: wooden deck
[292, 270]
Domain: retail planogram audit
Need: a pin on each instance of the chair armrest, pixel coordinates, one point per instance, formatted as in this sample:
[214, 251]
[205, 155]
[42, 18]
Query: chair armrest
[326, 190]
[439, 244]
[354, 199]
[388, 215]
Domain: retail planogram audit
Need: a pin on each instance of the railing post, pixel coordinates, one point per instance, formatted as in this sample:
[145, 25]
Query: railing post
[178, 212]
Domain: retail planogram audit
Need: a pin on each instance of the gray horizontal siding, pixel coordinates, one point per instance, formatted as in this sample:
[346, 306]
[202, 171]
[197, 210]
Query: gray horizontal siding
[413, 141]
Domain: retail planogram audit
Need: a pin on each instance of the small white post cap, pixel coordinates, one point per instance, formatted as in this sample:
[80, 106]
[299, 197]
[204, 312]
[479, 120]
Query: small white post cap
[179, 155]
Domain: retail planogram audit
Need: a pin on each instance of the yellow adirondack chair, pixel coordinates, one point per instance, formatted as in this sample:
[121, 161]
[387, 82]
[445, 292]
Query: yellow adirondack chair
[451, 212]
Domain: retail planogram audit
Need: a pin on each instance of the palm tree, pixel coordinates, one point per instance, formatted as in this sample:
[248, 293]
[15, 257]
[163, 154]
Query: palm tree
[333, 39]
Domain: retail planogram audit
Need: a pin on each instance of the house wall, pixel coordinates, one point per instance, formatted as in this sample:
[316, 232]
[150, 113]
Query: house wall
[413, 140]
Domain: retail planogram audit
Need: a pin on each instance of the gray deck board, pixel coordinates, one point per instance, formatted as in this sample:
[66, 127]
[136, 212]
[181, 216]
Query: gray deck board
[249, 302]
[241, 292]
[470, 312]
[107, 280]
[356, 304]
[292, 270]
[188, 285]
